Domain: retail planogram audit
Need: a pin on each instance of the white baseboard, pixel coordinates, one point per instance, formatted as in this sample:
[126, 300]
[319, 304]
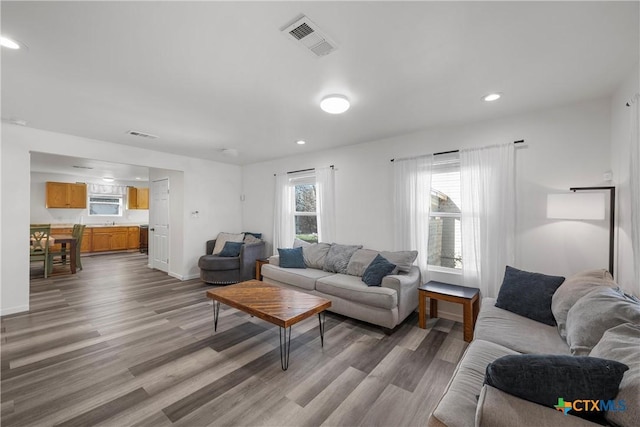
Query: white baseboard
[183, 278]
[14, 310]
[450, 316]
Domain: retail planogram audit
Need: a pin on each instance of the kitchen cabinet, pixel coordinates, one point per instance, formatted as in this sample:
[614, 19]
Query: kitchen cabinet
[137, 198]
[109, 239]
[133, 237]
[66, 195]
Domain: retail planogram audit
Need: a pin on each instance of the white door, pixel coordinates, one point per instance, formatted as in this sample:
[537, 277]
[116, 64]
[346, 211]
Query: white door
[159, 227]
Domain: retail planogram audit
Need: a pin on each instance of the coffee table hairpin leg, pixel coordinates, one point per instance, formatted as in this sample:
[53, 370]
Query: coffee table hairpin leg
[216, 311]
[321, 322]
[285, 347]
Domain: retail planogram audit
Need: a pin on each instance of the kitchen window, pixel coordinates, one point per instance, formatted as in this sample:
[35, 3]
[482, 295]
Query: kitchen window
[105, 205]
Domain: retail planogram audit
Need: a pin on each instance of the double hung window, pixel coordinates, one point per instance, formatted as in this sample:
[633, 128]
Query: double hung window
[445, 241]
[305, 214]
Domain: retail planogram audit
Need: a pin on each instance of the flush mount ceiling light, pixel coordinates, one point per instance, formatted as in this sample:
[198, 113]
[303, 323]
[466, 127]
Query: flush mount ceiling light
[301, 142]
[491, 97]
[8, 43]
[335, 104]
[107, 179]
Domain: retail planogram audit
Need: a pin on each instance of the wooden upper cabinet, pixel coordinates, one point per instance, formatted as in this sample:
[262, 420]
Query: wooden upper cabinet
[66, 195]
[137, 198]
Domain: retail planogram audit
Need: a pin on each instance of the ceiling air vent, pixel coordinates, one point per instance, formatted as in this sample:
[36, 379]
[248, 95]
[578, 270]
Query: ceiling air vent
[306, 33]
[141, 134]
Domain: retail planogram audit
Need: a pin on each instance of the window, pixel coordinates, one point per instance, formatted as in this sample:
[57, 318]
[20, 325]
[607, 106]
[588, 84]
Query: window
[445, 242]
[306, 218]
[105, 205]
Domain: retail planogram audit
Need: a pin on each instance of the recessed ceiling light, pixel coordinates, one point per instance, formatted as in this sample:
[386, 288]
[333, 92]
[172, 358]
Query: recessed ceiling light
[107, 179]
[335, 104]
[8, 43]
[301, 142]
[491, 97]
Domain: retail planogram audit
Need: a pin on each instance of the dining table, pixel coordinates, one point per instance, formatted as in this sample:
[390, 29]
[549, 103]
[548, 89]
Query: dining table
[64, 240]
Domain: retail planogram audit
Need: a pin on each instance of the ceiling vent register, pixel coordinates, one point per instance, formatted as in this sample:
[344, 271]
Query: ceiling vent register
[305, 32]
[141, 134]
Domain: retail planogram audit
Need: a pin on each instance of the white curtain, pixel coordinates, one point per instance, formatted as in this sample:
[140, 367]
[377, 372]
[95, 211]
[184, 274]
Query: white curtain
[487, 184]
[412, 200]
[325, 204]
[283, 218]
[635, 187]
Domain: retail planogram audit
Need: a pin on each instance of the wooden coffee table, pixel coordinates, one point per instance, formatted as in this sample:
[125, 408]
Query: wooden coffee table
[279, 306]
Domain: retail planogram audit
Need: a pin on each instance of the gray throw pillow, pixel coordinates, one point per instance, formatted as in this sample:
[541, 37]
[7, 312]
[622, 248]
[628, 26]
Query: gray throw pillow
[359, 261]
[402, 259]
[622, 343]
[528, 294]
[601, 309]
[314, 254]
[338, 257]
[574, 288]
[299, 243]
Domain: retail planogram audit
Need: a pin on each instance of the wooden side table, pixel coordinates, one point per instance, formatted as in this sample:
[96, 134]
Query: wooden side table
[259, 264]
[468, 297]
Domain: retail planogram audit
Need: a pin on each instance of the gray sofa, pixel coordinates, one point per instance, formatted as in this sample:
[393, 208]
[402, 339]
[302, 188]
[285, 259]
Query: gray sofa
[592, 321]
[386, 305]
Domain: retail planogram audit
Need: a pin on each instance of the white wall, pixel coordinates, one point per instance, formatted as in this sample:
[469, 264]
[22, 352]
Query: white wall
[620, 149]
[41, 215]
[212, 186]
[565, 146]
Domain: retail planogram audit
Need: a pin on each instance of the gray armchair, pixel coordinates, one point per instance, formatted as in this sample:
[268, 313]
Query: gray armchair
[219, 270]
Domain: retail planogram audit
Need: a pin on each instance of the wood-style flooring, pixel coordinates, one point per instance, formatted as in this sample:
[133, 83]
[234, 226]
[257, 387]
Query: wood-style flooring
[120, 344]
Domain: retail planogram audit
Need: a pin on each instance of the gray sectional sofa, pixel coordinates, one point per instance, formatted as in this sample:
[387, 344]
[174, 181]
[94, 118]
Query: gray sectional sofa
[341, 282]
[594, 318]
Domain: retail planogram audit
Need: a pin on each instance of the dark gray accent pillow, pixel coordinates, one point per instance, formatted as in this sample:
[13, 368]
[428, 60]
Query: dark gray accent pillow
[544, 379]
[376, 271]
[528, 294]
[291, 258]
[338, 257]
[231, 249]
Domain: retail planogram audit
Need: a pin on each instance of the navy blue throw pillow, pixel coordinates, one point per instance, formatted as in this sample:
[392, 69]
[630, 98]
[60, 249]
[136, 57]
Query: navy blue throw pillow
[528, 294]
[376, 271]
[291, 258]
[231, 249]
[256, 235]
[545, 378]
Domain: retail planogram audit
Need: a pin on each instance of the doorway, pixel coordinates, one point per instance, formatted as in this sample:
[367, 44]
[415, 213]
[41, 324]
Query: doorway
[159, 225]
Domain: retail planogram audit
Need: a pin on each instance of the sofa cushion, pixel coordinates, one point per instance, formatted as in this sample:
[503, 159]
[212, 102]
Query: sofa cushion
[304, 278]
[360, 260]
[338, 257]
[574, 288]
[231, 249]
[528, 294]
[458, 405]
[377, 270]
[601, 309]
[315, 254]
[353, 289]
[543, 378]
[218, 263]
[622, 343]
[402, 259]
[224, 238]
[291, 258]
[517, 332]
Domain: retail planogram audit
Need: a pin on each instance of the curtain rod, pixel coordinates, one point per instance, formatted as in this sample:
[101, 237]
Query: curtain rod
[303, 170]
[520, 141]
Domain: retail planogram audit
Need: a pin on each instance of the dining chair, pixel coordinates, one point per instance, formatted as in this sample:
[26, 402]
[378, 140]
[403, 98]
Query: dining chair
[39, 245]
[78, 231]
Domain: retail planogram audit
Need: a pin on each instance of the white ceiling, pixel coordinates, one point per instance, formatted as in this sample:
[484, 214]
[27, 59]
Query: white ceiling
[205, 76]
[87, 168]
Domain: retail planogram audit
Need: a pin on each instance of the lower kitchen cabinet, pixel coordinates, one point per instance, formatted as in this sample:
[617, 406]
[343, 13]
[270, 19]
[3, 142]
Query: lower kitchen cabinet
[111, 238]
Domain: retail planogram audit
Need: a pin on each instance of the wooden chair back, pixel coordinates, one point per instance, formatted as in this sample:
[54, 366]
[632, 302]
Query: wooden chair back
[39, 238]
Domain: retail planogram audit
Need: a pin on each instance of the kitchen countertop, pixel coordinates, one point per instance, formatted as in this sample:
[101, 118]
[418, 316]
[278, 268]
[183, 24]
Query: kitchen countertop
[97, 225]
